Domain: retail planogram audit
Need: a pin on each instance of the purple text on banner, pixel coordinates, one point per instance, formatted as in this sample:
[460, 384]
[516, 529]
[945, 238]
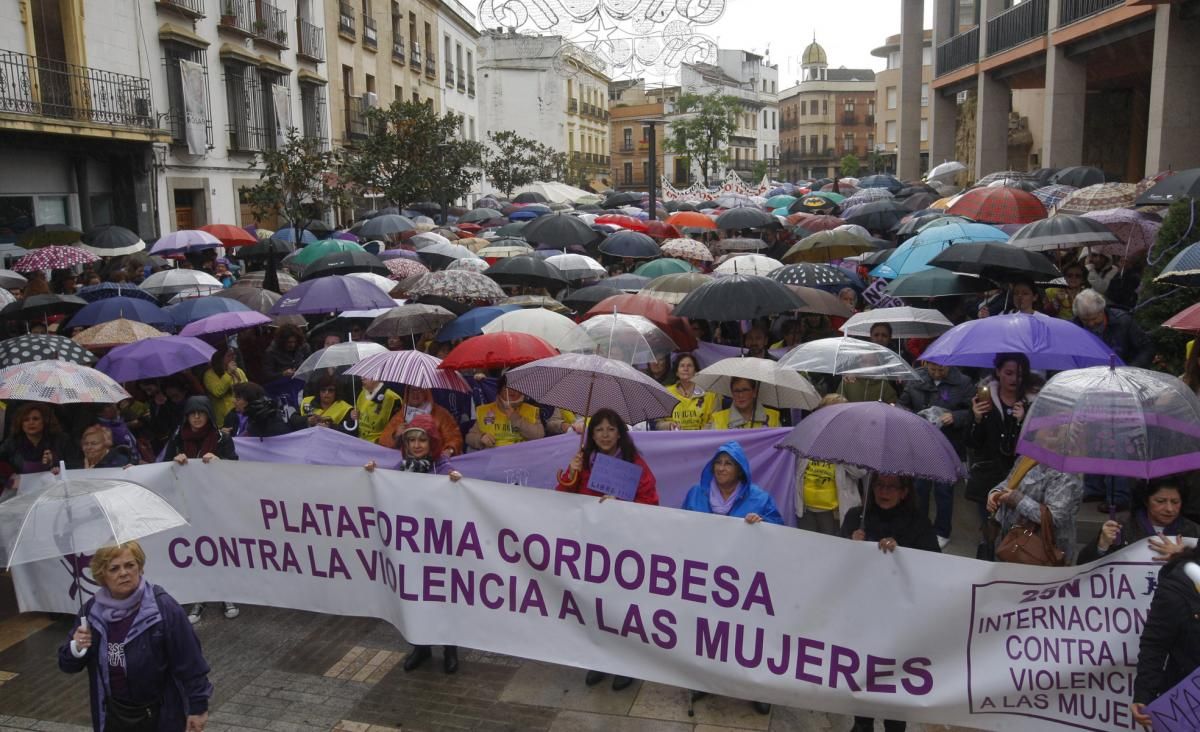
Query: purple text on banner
[1178, 710]
[614, 477]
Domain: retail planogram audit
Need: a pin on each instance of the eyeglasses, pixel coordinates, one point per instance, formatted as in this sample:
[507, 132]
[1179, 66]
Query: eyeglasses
[744, 390]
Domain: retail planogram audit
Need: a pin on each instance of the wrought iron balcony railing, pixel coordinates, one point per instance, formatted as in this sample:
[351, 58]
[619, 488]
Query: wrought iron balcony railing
[43, 87]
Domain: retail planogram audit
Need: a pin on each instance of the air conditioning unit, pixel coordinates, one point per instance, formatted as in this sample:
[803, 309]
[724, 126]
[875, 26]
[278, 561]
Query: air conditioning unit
[370, 100]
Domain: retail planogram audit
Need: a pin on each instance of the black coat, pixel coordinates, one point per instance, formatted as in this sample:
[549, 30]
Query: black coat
[1131, 533]
[903, 523]
[1170, 646]
[954, 394]
[1126, 338]
[992, 442]
[60, 445]
[264, 419]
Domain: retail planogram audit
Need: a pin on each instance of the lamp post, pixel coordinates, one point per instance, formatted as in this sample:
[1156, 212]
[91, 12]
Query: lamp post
[652, 148]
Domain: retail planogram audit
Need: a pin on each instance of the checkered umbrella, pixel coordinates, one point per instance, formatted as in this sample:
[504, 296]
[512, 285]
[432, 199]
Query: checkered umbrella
[999, 206]
[58, 382]
[1099, 197]
[867, 195]
[40, 347]
[1052, 195]
[1001, 175]
[54, 257]
[585, 384]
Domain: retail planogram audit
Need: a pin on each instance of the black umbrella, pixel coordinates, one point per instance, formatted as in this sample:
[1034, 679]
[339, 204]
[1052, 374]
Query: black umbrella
[633, 244]
[890, 182]
[813, 205]
[744, 217]
[42, 347]
[1062, 231]
[878, 216]
[1080, 176]
[49, 234]
[340, 263]
[876, 258]
[705, 205]
[997, 262]
[936, 282]
[1172, 188]
[428, 208]
[918, 201]
[41, 306]
[674, 206]
[477, 215]
[810, 274]
[530, 197]
[266, 247]
[617, 200]
[385, 226]
[911, 190]
[738, 297]
[1183, 269]
[526, 271]
[1043, 175]
[112, 241]
[586, 298]
[559, 230]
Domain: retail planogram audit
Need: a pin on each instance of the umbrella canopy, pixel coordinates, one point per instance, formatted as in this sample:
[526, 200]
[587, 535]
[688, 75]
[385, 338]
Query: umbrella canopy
[821, 302]
[654, 310]
[42, 347]
[997, 262]
[885, 181]
[945, 171]
[751, 264]
[877, 216]
[1050, 343]
[115, 333]
[585, 298]
[222, 324]
[337, 356]
[385, 227]
[692, 220]
[866, 195]
[112, 241]
[288, 234]
[1052, 196]
[558, 230]
[814, 222]
[497, 351]
[470, 264]
[42, 306]
[934, 282]
[1183, 269]
[537, 301]
[155, 358]
[43, 234]
[256, 279]
[530, 197]
[171, 282]
[113, 308]
[1187, 319]
[59, 382]
[848, 357]
[585, 384]
[10, 280]
[74, 515]
[1078, 176]
[411, 368]
[660, 267]
[905, 322]
[440, 255]
[383, 283]
[1171, 188]
[509, 248]
[738, 297]
[459, 285]
[879, 437]
[557, 330]
[400, 269]
[672, 288]
[741, 244]
[575, 267]
[185, 240]
[344, 263]
[744, 217]
[54, 257]
[318, 249]
[914, 255]
[1136, 232]
[471, 322]
[781, 200]
[629, 338]
[230, 235]
[628, 282]
[527, 271]
[1098, 197]
[777, 387]
[255, 298]
[1063, 231]
[92, 293]
[807, 274]
[409, 319]
[827, 245]
[686, 249]
[1114, 421]
[332, 294]
[999, 206]
[631, 244]
[201, 307]
[266, 247]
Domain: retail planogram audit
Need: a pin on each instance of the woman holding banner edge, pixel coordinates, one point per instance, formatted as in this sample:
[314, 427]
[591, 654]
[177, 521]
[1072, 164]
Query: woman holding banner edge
[607, 434]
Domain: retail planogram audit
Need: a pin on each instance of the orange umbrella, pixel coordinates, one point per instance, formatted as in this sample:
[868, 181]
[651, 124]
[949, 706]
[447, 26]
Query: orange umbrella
[691, 220]
[230, 235]
[656, 311]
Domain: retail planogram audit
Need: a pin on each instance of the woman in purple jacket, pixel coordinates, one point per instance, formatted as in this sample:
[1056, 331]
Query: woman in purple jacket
[146, 671]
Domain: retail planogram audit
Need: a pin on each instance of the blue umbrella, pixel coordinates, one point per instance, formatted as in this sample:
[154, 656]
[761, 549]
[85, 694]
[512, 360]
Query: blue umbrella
[884, 180]
[471, 323]
[523, 215]
[289, 234]
[92, 293]
[913, 255]
[201, 307]
[130, 308]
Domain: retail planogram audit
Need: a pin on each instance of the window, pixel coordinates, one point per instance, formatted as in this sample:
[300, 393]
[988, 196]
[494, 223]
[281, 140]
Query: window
[397, 93]
[891, 97]
[812, 108]
[894, 60]
[471, 126]
[824, 142]
[645, 171]
[243, 94]
[176, 120]
[848, 142]
[16, 215]
[627, 139]
[825, 106]
[628, 174]
[764, 119]
[924, 95]
[773, 113]
[312, 110]
[416, 97]
[890, 130]
[926, 56]
[924, 130]
[848, 106]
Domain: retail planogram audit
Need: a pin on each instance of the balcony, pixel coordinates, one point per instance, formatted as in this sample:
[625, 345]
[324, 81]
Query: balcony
[849, 119]
[42, 87]
[958, 51]
[346, 21]
[398, 50]
[430, 66]
[870, 120]
[237, 16]
[356, 119]
[471, 86]
[1017, 25]
[1070, 11]
[193, 9]
[271, 26]
[370, 36]
[626, 147]
[462, 80]
[310, 41]
[414, 62]
[449, 74]
[573, 105]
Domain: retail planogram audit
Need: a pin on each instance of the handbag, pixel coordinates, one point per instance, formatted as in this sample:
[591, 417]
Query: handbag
[1028, 542]
[122, 716]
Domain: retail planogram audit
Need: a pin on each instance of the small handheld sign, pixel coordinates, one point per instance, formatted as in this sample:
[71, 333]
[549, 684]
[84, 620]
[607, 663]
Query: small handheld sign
[614, 477]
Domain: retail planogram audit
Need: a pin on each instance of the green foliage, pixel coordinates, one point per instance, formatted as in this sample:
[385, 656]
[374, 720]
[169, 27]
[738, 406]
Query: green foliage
[412, 154]
[874, 162]
[850, 166]
[297, 181]
[704, 127]
[514, 161]
[1156, 301]
[760, 169]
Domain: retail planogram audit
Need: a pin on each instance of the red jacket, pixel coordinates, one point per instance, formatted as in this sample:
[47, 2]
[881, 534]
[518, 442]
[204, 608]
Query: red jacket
[647, 489]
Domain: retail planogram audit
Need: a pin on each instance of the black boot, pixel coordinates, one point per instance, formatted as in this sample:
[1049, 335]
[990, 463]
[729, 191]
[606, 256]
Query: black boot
[621, 682]
[450, 659]
[417, 656]
[762, 707]
[594, 677]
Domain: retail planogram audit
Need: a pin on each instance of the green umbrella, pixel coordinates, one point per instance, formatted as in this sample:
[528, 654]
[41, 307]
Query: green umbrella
[513, 229]
[660, 267]
[937, 282]
[323, 248]
[780, 201]
[829, 196]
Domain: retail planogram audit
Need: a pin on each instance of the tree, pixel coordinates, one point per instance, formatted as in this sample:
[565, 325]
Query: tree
[298, 181]
[704, 127]
[850, 166]
[875, 161]
[412, 154]
[1158, 301]
[514, 161]
[760, 169]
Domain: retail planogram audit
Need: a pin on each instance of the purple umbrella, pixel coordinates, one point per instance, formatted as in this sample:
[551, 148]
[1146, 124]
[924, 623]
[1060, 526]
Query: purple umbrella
[224, 323]
[345, 235]
[155, 357]
[332, 294]
[1050, 343]
[387, 254]
[879, 437]
[585, 383]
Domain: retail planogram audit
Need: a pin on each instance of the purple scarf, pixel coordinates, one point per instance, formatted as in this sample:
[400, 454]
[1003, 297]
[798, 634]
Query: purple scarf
[719, 503]
[112, 610]
[1171, 529]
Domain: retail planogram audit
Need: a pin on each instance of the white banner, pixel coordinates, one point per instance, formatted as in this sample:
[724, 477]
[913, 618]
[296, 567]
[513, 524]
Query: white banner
[693, 600]
[195, 106]
[283, 113]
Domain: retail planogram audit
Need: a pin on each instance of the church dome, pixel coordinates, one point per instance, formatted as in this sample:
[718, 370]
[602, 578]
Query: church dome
[815, 55]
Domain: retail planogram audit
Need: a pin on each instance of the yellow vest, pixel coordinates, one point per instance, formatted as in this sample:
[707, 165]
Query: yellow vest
[337, 412]
[374, 414]
[692, 413]
[820, 486]
[720, 420]
[492, 421]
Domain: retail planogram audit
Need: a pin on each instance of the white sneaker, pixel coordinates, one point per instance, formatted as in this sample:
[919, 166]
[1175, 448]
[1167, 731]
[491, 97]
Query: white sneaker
[195, 612]
[943, 542]
[231, 610]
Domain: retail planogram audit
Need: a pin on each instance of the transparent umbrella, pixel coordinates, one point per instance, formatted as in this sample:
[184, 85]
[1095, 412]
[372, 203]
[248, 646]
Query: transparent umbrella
[905, 322]
[848, 357]
[557, 330]
[777, 386]
[337, 356]
[632, 339]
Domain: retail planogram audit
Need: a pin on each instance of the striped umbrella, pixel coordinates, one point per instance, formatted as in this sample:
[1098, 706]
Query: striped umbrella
[411, 368]
[54, 257]
[1099, 197]
[1052, 195]
[585, 384]
[999, 206]
[1184, 269]
[43, 347]
[57, 382]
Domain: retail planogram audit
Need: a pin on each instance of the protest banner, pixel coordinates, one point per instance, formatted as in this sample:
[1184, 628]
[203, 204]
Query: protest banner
[876, 296]
[692, 600]
[1179, 709]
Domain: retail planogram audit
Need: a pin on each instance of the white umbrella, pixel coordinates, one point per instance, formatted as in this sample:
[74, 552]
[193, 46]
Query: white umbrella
[379, 281]
[180, 282]
[557, 330]
[848, 357]
[629, 338]
[470, 264]
[905, 322]
[338, 355]
[777, 387]
[420, 241]
[946, 170]
[748, 264]
[577, 266]
[12, 280]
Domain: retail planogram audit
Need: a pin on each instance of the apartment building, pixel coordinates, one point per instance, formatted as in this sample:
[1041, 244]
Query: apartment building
[631, 105]
[459, 41]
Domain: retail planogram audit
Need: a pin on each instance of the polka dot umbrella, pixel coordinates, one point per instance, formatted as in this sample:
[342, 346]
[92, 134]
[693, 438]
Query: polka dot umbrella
[41, 347]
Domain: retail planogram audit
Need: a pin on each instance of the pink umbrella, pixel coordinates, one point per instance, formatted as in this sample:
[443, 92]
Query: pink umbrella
[411, 368]
[54, 257]
[1136, 230]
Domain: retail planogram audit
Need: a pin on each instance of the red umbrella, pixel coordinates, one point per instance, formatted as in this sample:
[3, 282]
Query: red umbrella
[54, 257]
[230, 235]
[814, 222]
[661, 230]
[1187, 319]
[625, 222]
[1000, 205]
[652, 309]
[497, 351]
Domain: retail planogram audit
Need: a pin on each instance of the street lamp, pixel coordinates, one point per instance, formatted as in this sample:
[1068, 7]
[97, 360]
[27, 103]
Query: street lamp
[652, 145]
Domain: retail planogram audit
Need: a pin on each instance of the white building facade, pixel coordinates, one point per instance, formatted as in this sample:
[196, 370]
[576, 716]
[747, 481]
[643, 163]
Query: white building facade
[459, 49]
